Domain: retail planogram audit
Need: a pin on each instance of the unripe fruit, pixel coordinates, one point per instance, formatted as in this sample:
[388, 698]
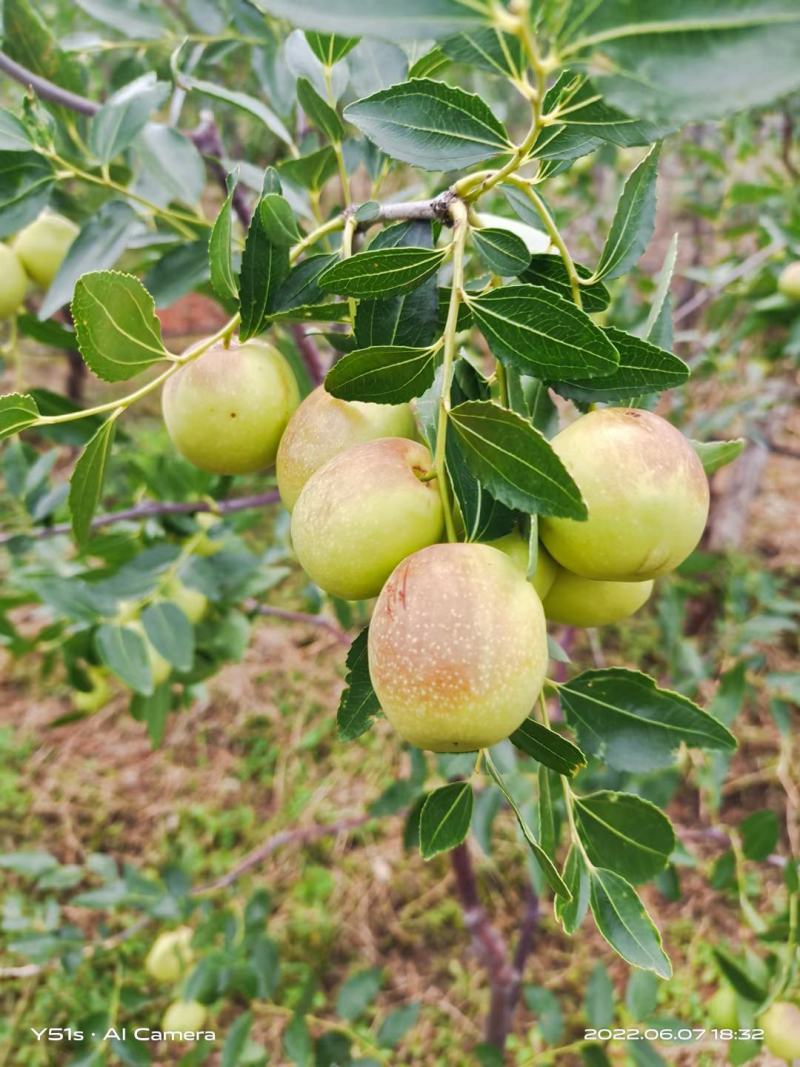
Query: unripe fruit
[160, 668]
[42, 245]
[192, 602]
[170, 955]
[457, 647]
[323, 426]
[516, 548]
[363, 512]
[13, 282]
[185, 1016]
[91, 700]
[781, 1023]
[722, 1010]
[789, 281]
[576, 601]
[646, 493]
[225, 411]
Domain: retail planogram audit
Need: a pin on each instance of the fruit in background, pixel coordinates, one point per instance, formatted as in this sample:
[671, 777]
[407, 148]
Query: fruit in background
[576, 601]
[722, 1010]
[43, 244]
[185, 1016]
[192, 602]
[645, 490]
[516, 548]
[14, 283]
[363, 512]
[225, 411]
[781, 1023]
[161, 668]
[170, 955]
[457, 647]
[324, 426]
[93, 699]
[789, 281]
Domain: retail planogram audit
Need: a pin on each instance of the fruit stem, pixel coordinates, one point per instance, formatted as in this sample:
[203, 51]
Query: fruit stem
[553, 233]
[458, 213]
[336, 223]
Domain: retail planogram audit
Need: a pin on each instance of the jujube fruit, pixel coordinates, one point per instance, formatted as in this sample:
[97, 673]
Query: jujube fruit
[363, 512]
[324, 426]
[516, 548]
[645, 490]
[14, 282]
[226, 410]
[457, 647]
[781, 1023]
[722, 1010]
[43, 244]
[160, 668]
[789, 281]
[170, 955]
[576, 601]
[185, 1016]
[192, 602]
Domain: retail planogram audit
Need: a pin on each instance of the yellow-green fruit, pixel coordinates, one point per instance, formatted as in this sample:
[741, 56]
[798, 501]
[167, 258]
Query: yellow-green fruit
[225, 411]
[516, 548]
[192, 602]
[170, 955]
[161, 668]
[576, 601]
[42, 245]
[363, 512]
[789, 281]
[323, 426]
[722, 1010]
[457, 647]
[91, 700]
[13, 282]
[646, 493]
[781, 1023]
[185, 1016]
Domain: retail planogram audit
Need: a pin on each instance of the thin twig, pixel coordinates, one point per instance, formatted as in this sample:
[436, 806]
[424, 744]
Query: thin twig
[47, 90]
[746, 267]
[151, 509]
[299, 616]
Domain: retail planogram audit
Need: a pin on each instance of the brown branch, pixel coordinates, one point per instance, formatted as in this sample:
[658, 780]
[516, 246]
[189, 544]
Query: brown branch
[150, 509]
[47, 90]
[299, 616]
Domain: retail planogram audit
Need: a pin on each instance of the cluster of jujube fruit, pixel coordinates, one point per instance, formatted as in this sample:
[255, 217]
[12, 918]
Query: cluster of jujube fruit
[457, 642]
[34, 255]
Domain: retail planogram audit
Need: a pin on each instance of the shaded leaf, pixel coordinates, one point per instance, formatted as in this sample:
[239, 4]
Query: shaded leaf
[358, 705]
[634, 220]
[502, 251]
[445, 818]
[86, 483]
[381, 271]
[571, 913]
[382, 375]
[17, 412]
[415, 19]
[624, 833]
[623, 921]
[643, 368]
[548, 747]
[716, 454]
[549, 272]
[170, 633]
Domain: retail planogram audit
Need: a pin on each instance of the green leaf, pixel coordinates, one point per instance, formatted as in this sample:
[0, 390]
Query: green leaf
[381, 271]
[571, 913]
[514, 461]
[549, 272]
[680, 60]
[278, 219]
[487, 48]
[658, 328]
[116, 326]
[264, 266]
[641, 994]
[634, 220]
[623, 716]
[319, 111]
[299, 296]
[716, 454]
[739, 975]
[624, 833]
[249, 104]
[502, 251]
[129, 18]
[223, 280]
[31, 864]
[445, 818]
[554, 879]
[328, 47]
[760, 832]
[549, 748]
[236, 1040]
[358, 992]
[14, 136]
[124, 652]
[484, 517]
[297, 1042]
[538, 332]
[86, 483]
[642, 369]
[124, 115]
[18, 411]
[311, 171]
[430, 124]
[28, 39]
[545, 810]
[358, 704]
[599, 999]
[414, 19]
[170, 633]
[397, 1024]
[622, 920]
[384, 374]
[26, 180]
